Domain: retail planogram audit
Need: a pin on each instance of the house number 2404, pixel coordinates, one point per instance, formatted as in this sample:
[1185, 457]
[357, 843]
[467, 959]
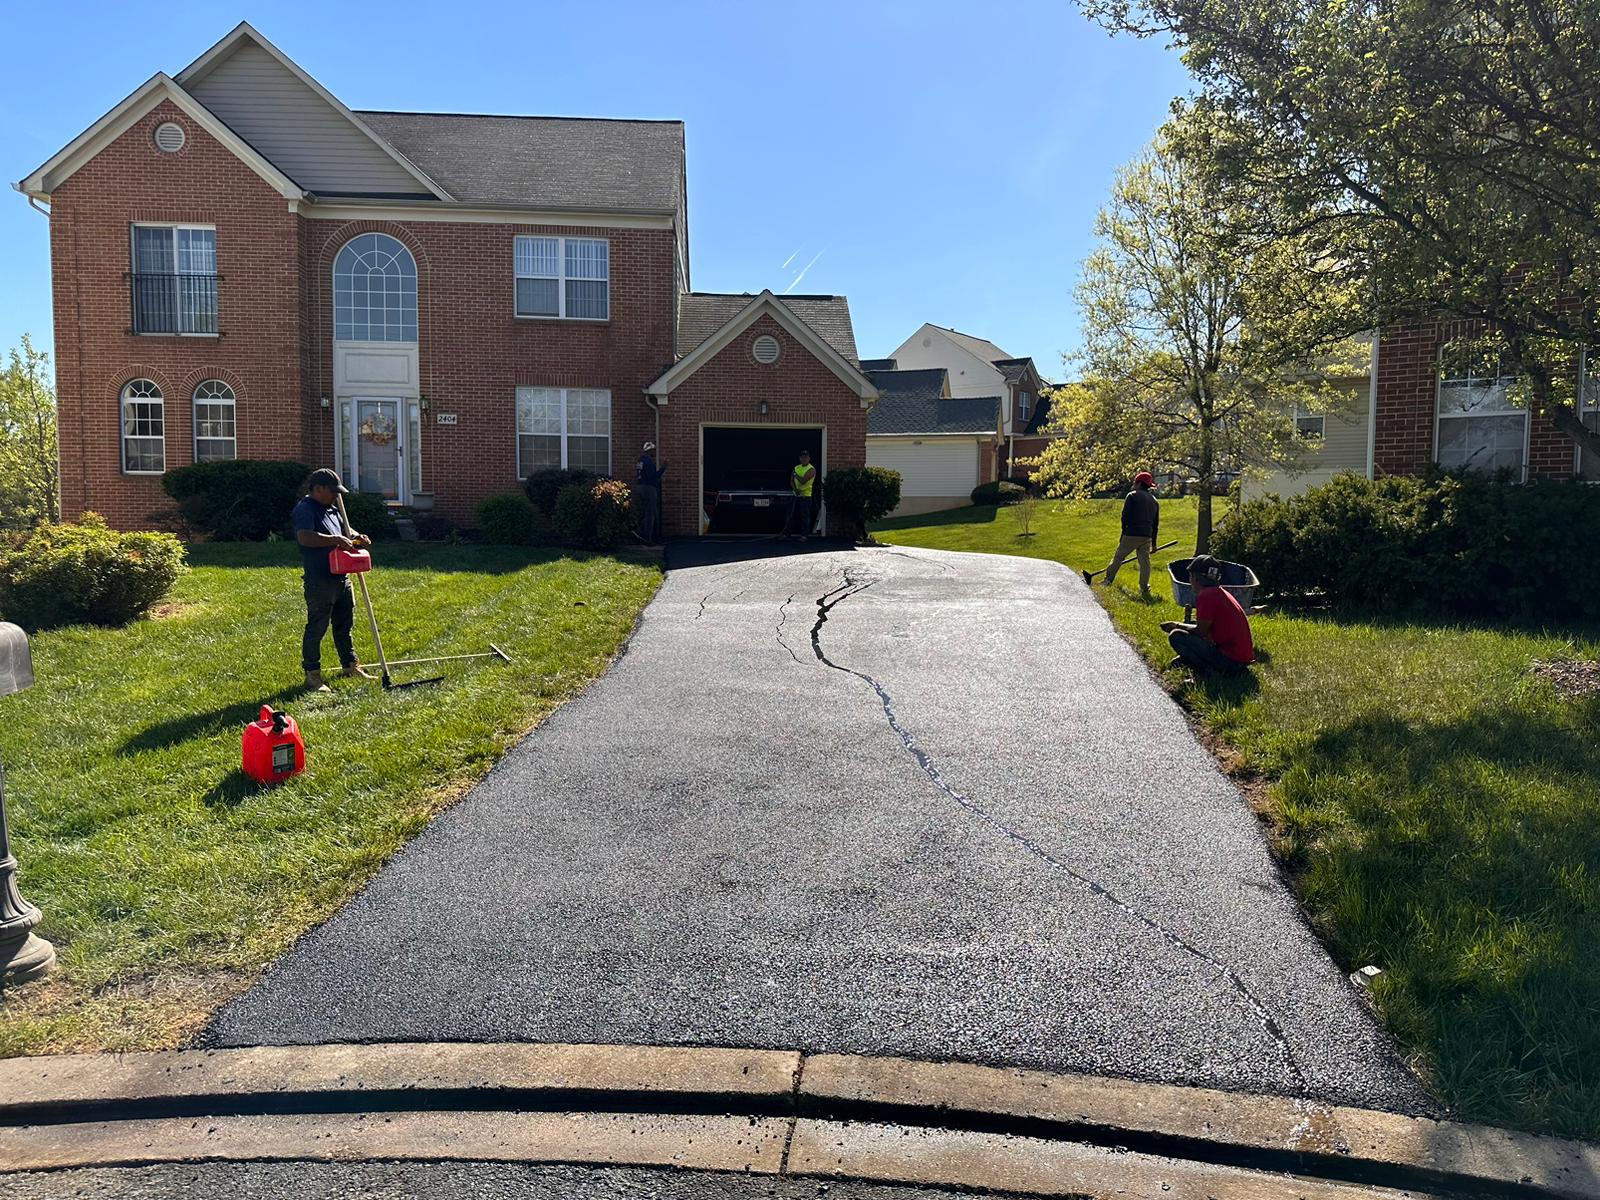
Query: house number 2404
[447, 418]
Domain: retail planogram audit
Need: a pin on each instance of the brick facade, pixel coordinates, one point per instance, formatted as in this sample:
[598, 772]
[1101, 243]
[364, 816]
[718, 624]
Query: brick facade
[1407, 397]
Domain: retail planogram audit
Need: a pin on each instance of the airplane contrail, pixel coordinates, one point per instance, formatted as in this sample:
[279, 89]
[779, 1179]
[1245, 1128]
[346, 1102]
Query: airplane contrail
[795, 282]
[789, 260]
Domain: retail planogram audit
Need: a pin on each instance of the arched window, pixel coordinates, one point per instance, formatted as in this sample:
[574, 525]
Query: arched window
[144, 429]
[215, 433]
[375, 291]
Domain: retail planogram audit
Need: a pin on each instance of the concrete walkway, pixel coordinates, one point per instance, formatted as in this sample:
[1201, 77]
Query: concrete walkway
[876, 801]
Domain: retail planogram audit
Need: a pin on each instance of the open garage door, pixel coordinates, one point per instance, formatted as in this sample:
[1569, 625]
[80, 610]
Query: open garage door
[744, 475]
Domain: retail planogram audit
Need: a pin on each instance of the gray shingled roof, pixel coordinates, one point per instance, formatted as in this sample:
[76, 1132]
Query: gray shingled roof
[1013, 368]
[982, 347]
[878, 364]
[554, 162]
[913, 402]
[701, 314]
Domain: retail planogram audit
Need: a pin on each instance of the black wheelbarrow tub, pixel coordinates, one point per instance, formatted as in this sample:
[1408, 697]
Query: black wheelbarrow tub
[1237, 579]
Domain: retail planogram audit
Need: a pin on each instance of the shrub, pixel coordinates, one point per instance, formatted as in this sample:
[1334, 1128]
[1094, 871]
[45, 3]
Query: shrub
[1454, 545]
[369, 514]
[544, 488]
[88, 572]
[598, 514]
[238, 500]
[507, 520]
[999, 491]
[862, 495]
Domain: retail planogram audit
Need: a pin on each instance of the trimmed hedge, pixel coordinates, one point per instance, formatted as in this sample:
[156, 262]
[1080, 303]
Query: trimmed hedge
[1452, 545]
[862, 495]
[999, 491]
[86, 573]
[544, 488]
[598, 514]
[507, 520]
[237, 500]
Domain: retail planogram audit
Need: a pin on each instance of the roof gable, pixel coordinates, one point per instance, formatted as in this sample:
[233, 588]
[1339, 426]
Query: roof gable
[702, 314]
[981, 347]
[299, 125]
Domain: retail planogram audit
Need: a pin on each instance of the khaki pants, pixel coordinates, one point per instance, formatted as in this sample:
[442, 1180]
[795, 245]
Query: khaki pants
[1139, 547]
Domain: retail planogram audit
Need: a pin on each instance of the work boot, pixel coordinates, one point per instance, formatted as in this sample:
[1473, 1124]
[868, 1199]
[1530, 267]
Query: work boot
[356, 671]
[314, 682]
[1088, 577]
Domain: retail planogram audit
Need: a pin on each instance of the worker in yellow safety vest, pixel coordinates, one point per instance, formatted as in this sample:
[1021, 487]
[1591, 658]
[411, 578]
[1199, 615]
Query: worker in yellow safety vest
[802, 481]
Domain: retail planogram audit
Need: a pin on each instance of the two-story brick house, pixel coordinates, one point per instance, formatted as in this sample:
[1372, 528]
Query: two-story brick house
[437, 303]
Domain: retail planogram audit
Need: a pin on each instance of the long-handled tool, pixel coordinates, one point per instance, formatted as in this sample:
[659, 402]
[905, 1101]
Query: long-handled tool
[377, 641]
[1088, 576]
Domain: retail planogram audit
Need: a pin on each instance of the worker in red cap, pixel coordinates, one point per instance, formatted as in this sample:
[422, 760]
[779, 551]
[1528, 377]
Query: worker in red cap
[1141, 521]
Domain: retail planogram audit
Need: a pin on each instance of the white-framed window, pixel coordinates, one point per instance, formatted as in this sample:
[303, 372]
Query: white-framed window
[1312, 427]
[1588, 462]
[563, 277]
[174, 280]
[1025, 403]
[1479, 428]
[144, 429]
[215, 431]
[374, 291]
[563, 427]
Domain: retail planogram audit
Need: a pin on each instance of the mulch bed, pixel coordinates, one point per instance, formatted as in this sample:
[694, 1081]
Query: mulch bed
[1571, 677]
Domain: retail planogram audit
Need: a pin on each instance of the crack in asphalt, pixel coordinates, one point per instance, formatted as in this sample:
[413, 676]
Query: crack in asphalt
[783, 616]
[826, 603]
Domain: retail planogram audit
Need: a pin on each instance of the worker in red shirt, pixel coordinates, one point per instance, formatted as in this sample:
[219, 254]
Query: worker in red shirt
[1219, 639]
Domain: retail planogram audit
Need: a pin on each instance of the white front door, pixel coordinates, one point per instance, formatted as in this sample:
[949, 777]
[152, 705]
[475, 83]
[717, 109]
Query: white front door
[378, 439]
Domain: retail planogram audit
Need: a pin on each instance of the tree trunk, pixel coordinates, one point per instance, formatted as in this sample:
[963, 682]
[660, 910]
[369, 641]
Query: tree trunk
[1207, 472]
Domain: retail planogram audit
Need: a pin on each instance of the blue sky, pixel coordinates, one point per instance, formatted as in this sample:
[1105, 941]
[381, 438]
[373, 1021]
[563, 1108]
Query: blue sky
[932, 161]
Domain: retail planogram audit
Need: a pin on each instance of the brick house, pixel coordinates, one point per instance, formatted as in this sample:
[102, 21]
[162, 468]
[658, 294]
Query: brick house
[436, 303]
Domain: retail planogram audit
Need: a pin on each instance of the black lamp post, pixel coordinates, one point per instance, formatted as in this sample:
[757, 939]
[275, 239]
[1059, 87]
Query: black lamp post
[23, 956]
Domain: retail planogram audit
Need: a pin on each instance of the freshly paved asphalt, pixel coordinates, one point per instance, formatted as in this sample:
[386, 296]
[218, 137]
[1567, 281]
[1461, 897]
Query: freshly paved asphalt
[983, 833]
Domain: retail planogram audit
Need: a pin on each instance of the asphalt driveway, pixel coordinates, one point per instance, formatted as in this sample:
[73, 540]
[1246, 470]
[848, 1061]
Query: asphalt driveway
[880, 801]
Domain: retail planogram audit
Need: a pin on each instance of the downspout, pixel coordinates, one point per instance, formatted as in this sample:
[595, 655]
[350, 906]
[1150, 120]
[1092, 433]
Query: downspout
[1372, 411]
[661, 500]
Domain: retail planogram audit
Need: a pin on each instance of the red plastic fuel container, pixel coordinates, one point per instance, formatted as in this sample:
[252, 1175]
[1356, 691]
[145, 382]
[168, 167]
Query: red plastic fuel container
[349, 562]
[273, 749]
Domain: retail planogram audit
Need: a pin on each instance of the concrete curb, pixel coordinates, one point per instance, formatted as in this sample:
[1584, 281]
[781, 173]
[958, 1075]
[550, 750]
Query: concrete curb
[726, 1109]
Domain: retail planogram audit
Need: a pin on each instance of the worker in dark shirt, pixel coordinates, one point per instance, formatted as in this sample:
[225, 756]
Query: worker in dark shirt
[1219, 637]
[1141, 522]
[319, 529]
[647, 483]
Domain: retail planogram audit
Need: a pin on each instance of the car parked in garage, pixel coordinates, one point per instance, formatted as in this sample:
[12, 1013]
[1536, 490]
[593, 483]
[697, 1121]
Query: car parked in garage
[749, 501]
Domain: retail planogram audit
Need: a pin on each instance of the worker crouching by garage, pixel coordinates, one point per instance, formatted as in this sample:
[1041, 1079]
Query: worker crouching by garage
[319, 529]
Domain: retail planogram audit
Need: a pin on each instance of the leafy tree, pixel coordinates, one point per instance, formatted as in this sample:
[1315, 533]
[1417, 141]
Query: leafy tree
[1444, 153]
[1195, 342]
[28, 466]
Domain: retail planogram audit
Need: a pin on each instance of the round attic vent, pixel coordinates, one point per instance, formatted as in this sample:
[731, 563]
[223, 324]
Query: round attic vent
[765, 349]
[170, 137]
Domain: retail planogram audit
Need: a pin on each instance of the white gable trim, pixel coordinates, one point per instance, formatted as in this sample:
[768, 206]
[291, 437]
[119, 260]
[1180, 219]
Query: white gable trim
[124, 116]
[202, 66]
[767, 303]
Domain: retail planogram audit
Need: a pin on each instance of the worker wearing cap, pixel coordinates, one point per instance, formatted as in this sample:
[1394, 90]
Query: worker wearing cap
[1141, 522]
[319, 528]
[1219, 637]
[802, 482]
[647, 485]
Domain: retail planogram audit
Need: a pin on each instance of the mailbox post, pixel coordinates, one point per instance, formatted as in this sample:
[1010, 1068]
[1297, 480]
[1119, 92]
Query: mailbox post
[23, 956]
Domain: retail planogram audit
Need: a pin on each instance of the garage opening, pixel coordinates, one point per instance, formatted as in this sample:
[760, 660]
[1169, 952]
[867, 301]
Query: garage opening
[744, 472]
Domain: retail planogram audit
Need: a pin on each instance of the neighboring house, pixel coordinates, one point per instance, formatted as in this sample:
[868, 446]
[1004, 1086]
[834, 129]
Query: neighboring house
[978, 367]
[436, 303]
[943, 446]
[1336, 441]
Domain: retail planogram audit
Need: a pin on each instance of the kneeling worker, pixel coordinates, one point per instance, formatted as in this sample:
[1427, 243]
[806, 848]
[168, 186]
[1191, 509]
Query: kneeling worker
[318, 529]
[1219, 639]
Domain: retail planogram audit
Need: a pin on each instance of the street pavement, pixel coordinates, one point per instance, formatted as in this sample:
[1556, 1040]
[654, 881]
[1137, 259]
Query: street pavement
[874, 801]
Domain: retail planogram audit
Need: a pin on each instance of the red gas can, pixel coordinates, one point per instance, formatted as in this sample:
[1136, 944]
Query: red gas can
[349, 562]
[273, 749]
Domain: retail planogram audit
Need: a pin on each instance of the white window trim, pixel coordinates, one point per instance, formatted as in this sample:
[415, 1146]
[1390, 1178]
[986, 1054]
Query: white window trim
[194, 423]
[133, 261]
[610, 425]
[561, 279]
[1025, 404]
[122, 434]
[1438, 416]
[1321, 419]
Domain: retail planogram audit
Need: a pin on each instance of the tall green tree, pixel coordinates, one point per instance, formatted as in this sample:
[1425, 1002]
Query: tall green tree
[29, 480]
[1197, 348]
[1444, 153]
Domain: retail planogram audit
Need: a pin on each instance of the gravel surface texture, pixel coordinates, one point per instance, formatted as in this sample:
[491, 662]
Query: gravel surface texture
[880, 801]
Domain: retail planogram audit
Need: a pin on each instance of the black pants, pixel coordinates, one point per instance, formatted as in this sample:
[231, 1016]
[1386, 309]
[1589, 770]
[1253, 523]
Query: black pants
[799, 517]
[328, 597]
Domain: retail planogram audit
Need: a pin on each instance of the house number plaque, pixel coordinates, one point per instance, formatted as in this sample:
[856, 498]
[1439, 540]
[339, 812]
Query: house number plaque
[447, 418]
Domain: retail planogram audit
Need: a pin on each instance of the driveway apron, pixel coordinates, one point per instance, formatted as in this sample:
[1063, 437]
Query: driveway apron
[873, 801]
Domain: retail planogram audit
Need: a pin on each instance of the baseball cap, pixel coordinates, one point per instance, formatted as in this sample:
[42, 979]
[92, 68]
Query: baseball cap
[326, 477]
[1206, 568]
[649, 445]
[1145, 478]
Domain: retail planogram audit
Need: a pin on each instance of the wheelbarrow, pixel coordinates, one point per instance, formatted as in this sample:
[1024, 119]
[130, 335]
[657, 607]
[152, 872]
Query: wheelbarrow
[1237, 579]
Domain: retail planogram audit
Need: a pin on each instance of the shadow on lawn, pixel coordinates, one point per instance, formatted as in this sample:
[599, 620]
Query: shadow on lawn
[180, 729]
[1462, 857]
[439, 557]
[974, 514]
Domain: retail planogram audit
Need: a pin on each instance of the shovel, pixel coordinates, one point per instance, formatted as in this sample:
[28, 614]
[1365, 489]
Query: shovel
[1088, 576]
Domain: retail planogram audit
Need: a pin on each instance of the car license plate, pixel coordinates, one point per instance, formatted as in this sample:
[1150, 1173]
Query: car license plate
[762, 502]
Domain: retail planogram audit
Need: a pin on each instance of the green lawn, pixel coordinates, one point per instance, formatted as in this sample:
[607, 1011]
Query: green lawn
[167, 878]
[1438, 807]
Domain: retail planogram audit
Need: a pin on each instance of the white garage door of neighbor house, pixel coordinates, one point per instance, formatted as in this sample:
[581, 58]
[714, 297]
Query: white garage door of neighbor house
[928, 467]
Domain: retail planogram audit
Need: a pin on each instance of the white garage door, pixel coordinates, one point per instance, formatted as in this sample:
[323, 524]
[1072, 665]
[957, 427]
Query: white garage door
[928, 466]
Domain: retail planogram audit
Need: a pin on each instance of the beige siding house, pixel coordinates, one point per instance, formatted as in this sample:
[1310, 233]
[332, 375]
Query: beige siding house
[1337, 441]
